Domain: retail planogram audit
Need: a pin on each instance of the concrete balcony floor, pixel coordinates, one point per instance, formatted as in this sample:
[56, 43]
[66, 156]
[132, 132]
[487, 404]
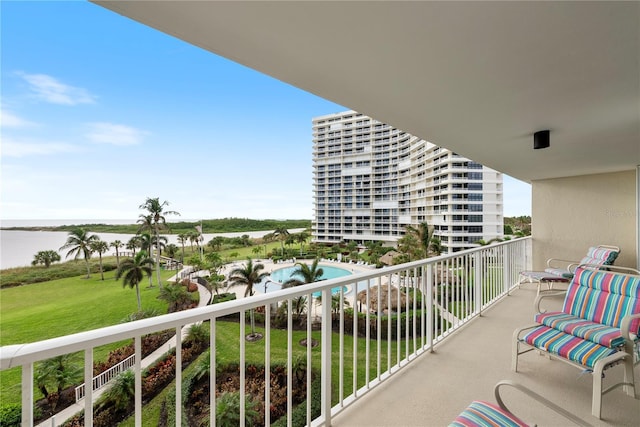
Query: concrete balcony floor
[466, 366]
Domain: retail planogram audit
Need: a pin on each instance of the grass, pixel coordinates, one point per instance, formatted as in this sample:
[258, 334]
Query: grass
[227, 343]
[61, 307]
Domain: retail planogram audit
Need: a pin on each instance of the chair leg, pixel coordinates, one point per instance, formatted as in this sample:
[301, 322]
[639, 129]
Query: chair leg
[515, 349]
[629, 379]
[596, 401]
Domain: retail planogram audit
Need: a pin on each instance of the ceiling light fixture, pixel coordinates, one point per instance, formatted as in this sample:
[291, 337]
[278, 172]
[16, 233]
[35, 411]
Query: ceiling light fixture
[541, 139]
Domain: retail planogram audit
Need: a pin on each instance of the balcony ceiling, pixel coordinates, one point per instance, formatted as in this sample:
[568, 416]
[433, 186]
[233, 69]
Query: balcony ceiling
[476, 77]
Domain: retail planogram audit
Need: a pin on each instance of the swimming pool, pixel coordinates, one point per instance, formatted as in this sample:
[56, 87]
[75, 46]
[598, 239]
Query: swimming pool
[274, 281]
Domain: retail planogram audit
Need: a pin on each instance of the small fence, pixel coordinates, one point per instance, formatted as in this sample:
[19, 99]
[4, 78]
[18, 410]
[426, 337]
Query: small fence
[104, 378]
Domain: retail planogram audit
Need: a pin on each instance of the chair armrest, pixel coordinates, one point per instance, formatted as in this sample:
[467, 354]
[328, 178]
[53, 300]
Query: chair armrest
[558, 260]
[625, 326]
[546, 402]
[539, 298]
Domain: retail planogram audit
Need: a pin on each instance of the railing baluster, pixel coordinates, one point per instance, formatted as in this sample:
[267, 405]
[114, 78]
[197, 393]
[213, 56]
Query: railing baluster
[27, 394]
[309, 341]
[242, 367]
[341, 342]
[212, 372]
[178, 376]
[88, 375]
[325, 361]
[138, 379]
[379, 328]
[289, 360]
[267, 365]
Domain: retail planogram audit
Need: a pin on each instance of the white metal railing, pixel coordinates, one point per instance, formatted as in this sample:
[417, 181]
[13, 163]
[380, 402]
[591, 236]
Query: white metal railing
[103, 378]
[397, 313]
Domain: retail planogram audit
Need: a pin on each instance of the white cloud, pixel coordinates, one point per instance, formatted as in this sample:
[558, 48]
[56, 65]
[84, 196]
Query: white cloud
[10, 120]
[15, 148]
[111, 133]
[50, 90]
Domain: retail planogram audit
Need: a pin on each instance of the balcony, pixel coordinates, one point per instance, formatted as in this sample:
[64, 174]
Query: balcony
[454, 345]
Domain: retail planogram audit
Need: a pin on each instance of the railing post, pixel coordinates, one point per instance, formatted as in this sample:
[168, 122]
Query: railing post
[88, 391]
[506, 269]
[178, 376]
[430, 311]
[477, 281]
[138, 378]
[27, 395]
[325, 359]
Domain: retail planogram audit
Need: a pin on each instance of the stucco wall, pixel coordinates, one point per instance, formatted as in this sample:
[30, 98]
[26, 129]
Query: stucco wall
[571, 214]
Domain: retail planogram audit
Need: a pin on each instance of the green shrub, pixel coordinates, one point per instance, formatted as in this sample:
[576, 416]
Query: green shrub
[223, 297]
[10, 415]
[299, 414]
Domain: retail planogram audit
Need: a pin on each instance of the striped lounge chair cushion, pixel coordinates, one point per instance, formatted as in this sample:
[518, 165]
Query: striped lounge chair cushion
[595, 256]
[585, 329]
[485, 414]
[584, 352]
[603, 297]
[600, 256]
[560, 272]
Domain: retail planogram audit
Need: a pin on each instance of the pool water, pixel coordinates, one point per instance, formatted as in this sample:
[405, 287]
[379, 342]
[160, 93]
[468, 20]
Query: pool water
[277, 277]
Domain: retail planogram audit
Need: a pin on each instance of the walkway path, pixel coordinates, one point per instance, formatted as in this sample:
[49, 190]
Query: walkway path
[59, 418]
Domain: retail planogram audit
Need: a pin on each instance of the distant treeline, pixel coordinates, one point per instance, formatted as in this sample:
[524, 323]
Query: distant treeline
[221, 225]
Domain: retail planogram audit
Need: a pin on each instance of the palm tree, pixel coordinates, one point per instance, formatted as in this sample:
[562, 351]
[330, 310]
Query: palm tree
[172, 250]
[216, 243]
[175, 295]
[228, 410]
[101, 247]
[307, 273]
[133, 244]
[423, 235]
[132, 271]
[182, 239]
[281, 233]
[122, 392]
[436, 246]
[145, 240]
[302, 237]
[79, 242]
[46, 257]
[248, 275]
[55, 374]
[193, 236]
[156, 211]
[160, 243]
[117, 244]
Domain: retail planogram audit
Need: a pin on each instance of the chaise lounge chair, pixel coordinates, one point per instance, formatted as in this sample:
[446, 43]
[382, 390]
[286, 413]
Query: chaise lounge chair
[480, 413]
[562, 271]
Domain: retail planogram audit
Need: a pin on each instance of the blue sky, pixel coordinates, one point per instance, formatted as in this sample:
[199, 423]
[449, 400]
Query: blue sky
[100, 112]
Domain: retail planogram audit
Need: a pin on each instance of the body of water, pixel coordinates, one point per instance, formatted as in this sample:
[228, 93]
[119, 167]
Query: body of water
[17, 247]
[277, 277]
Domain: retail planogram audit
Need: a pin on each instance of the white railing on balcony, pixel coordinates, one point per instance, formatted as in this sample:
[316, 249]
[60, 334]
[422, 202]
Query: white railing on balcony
[397, 313]
[105, 377]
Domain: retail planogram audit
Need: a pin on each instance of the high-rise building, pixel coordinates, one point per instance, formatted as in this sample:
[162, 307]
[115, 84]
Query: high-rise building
[371, 180]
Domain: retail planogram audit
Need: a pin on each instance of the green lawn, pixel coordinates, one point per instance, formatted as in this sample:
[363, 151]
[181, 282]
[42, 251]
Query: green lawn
[228, 334]
[61, 307]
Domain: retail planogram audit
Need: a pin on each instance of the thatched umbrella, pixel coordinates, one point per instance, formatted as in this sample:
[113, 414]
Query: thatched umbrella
[388, 257]
[384, 297]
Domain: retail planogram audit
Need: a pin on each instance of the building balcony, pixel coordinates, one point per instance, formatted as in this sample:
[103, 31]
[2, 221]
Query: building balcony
[449, 346]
